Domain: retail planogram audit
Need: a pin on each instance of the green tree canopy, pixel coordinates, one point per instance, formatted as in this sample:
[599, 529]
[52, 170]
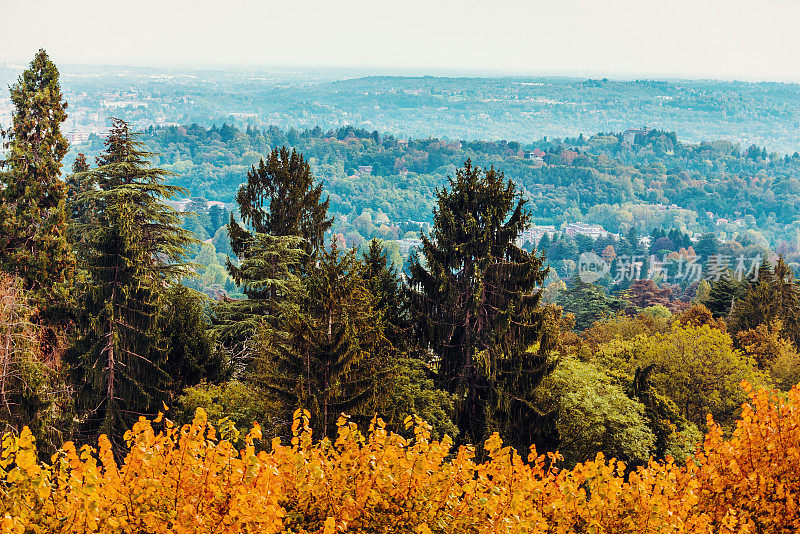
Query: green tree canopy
[329, 355]
[33, 224]
[135, 249]
[476, 305]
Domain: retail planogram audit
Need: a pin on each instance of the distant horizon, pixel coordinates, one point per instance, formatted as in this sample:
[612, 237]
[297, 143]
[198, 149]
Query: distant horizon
[738, 40]
[402, 72]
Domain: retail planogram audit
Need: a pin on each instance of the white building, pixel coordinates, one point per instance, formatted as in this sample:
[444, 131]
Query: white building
[592, 230]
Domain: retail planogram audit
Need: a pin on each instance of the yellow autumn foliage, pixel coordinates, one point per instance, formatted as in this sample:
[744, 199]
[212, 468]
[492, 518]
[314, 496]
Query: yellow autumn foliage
[190, 480]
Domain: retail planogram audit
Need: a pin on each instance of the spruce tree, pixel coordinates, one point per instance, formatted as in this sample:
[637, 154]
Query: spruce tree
[722, 294]
[329, 355]
[33, 223]
[385, 285]
[280, 198]
[476, 305]
[135, 249]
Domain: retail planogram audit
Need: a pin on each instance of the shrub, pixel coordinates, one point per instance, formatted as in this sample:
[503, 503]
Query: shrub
[189, 479]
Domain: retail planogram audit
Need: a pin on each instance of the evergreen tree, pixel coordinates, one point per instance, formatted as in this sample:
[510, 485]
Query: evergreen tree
[190, 354]
[79, 207]
[707, 246]
[33, 223]
[284, 227]
[476, 305]
[270, 280]
[280, 198]
[135, 248]
[384, 284]
[773, 296]
[328, 355]
[588, 303]
[722, 294]
[543, 245]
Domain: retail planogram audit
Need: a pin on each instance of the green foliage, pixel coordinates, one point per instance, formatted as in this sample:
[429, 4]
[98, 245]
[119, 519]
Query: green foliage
[774, 296]
[595, 415]
[383, 282]
[33, 223]
[238, 402]
[414, 392]
[270, 279]
[475, 305]
[329, 354]
[722, 294]
[698, 368]
[588, 302]
[675, 435]
[135, 248]
[191, 355]
[280, 198]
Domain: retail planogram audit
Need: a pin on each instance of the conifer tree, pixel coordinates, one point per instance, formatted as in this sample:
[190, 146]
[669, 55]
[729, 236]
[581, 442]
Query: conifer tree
[270, 280]
[589, 303]
[33, 223]
[284, 228]
[135, 249]
[476, 303]
[79, 208]
[774, 296]
[329, 355]
[722, 294]
[280, 198]
[384, 284]
[190, 355]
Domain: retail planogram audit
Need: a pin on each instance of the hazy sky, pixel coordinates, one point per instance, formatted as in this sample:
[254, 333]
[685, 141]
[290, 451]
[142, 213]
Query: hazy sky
[738, 39]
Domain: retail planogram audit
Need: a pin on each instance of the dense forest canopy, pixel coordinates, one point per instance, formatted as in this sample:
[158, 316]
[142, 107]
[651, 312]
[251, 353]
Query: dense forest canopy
[385, 314]
[645, 180]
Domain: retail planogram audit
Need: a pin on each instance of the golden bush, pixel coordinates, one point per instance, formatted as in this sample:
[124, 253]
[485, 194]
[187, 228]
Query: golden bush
[192, 479]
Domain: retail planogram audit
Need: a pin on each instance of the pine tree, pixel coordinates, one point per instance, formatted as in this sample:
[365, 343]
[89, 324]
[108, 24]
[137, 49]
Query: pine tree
[135, 249]
[270, 279]
[722, 294]
[384, 284]
[280, 198]
[33, 223]
[476, 304]
[328, 355]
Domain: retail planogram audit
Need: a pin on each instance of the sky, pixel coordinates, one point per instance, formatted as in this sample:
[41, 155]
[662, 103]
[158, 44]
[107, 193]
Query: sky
[730, 39]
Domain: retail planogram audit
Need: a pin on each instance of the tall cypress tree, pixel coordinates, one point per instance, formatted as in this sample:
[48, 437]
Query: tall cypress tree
[135, 249]
[476, 304]
[33, 223]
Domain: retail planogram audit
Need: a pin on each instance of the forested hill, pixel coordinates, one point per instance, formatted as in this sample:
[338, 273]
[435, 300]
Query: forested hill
[647, 180]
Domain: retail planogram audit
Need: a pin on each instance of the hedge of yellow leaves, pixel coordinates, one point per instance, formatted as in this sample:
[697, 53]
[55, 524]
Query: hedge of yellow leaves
[189, 480]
